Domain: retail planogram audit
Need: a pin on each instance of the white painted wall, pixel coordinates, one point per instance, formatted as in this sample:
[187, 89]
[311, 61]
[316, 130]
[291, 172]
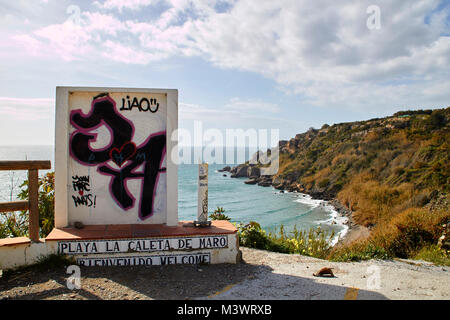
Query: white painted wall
[25, 254]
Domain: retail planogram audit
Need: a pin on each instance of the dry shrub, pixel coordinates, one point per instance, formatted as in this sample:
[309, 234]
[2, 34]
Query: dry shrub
[344, 159]
[410, 231]
[318, 176]
[405, 236]
[373, 202]
[372, 136]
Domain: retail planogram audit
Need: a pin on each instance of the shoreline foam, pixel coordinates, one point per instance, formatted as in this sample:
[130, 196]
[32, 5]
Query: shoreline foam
[335, 216]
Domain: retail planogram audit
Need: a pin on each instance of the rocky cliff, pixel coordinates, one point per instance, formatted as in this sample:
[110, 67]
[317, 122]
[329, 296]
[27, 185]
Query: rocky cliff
[406, 152]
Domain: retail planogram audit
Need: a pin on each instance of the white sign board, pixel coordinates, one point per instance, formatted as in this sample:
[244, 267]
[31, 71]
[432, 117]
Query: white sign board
[142, 245]
[193, 258]
[112, 156]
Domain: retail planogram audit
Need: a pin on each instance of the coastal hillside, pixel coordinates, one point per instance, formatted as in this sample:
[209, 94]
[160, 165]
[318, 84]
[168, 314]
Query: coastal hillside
[385, 171]
[372, 166]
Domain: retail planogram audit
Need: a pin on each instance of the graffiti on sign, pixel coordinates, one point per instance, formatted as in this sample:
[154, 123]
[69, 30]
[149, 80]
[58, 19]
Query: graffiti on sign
[121, 159]
[81, 186]
[142, 105]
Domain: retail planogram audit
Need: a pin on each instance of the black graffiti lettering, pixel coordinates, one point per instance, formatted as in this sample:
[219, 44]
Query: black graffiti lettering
[84, 200]
[142, 105]
[103, 110]
[147, 103]
[80, 183]
[135, 104]
[140, 157]
[91, 157]
[121, 151]
[154, 148]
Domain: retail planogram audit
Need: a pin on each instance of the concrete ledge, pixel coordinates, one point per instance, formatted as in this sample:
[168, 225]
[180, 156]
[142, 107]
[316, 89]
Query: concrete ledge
[7, 242]
[126, 231]
[16, 252]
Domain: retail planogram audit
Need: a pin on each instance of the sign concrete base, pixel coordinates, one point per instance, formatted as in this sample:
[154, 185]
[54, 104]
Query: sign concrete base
[137, 244]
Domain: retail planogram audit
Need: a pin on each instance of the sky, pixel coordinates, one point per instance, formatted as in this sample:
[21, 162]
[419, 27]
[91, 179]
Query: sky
[260, 64]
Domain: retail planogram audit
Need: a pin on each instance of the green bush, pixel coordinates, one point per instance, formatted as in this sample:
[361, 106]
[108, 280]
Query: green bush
[358, 252]
[219, 215]
[437, 119]
[16, 224]
[435, 254]
[315, 242]
[13, 224]
[251, 235]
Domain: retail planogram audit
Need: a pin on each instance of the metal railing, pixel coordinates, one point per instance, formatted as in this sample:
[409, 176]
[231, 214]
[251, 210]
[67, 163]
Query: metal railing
[33, 192]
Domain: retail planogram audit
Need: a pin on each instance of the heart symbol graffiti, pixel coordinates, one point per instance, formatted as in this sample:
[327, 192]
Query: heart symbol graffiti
[81, 192]
[127, 151]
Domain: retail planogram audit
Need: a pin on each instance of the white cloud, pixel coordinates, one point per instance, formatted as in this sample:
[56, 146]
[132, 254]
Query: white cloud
[321, 50]
[27, 108]
[124, 4]
[252, 105]
[27, 121]
[232, 118]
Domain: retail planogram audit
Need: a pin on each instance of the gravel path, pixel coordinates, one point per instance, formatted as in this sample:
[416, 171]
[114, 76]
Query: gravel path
[282, 276]
[261, 275]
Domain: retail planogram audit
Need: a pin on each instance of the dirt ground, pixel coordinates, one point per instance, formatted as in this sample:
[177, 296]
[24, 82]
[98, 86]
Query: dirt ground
[124, 283]
[261, 275]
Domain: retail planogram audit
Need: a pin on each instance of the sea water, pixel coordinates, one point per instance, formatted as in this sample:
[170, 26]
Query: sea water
[242, 203]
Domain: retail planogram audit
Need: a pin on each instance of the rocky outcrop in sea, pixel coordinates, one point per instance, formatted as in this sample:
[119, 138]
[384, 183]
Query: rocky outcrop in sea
[287, 183]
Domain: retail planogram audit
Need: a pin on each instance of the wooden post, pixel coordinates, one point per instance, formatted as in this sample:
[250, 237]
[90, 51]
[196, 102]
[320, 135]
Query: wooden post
[202, 203]
[14, 205]
[33, 192]
[33, 199]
